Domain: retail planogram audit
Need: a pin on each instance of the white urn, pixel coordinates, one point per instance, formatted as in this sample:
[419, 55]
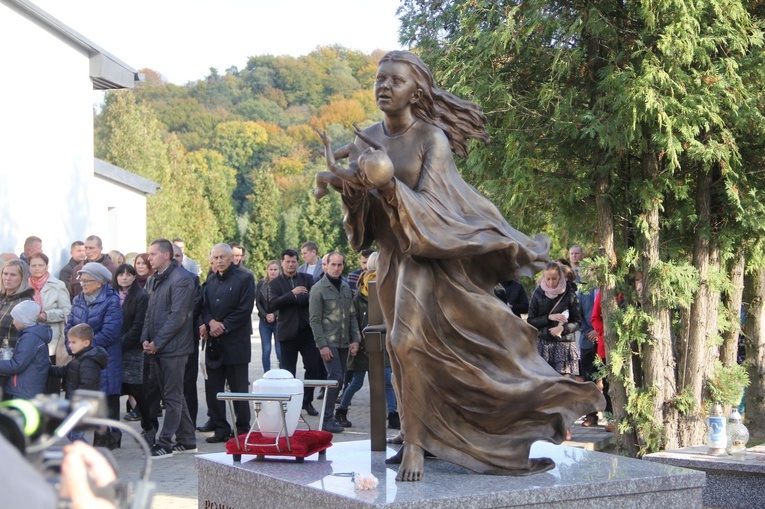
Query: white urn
[278, 381]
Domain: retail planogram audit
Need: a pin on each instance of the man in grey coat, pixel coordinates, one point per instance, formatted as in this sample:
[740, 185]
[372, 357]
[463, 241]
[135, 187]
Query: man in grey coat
[168, 337]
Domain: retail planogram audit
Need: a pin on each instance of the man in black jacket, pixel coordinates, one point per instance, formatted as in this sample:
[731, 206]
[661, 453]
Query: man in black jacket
[167, 336]
[288, 294]
[229, 297]
[77, 252]
[191, 372]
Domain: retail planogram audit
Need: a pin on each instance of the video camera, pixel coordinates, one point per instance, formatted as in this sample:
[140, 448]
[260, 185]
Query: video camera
[34, 426]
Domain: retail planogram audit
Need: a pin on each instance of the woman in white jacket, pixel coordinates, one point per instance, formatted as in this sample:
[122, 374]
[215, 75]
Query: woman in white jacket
[52, 296]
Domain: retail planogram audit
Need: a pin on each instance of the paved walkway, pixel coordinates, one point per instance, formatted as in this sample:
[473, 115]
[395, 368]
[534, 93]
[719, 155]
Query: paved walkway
[176, 477]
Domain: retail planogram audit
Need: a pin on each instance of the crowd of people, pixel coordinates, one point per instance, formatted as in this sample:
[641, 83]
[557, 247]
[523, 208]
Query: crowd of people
[134, 325]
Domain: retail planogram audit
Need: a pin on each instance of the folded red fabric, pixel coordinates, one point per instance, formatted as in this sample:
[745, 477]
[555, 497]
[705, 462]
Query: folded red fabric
[303, 443]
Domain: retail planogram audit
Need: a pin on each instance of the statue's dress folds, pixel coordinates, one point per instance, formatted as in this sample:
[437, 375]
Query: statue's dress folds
[471, 385]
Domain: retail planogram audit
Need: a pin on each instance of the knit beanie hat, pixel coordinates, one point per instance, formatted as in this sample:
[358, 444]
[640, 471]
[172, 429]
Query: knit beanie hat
[97, 272]
[26, 312]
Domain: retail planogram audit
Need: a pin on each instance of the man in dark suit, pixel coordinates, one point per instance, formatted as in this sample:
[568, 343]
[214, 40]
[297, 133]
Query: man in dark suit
[229, 296]
[288, 294]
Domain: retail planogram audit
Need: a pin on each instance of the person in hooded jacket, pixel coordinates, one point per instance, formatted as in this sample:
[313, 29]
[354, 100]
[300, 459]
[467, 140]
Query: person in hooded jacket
[99, 306]
[28, 368]
[84, 370]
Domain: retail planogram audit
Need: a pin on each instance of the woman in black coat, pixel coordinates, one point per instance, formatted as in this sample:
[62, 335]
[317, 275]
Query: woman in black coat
[554, 310]
[134, 303]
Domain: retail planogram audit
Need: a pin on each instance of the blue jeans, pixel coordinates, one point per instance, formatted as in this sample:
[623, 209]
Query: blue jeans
[267, 333]
[390, 394]
[357, 382]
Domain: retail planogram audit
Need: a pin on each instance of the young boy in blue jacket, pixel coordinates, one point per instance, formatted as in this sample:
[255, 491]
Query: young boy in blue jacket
[28, 368]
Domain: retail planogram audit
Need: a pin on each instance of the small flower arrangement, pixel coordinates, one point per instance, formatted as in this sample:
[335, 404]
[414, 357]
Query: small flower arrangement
[364, 482]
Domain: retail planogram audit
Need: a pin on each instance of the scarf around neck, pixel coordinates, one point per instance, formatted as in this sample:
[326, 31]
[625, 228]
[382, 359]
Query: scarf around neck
[91, 298]
[551, 293]
[37, 284]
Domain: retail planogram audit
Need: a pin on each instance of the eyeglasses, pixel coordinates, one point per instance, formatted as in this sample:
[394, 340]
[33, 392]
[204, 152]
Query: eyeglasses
[86, 281]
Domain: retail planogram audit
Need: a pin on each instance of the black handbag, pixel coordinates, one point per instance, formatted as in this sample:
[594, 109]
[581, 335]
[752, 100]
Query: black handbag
[213, 353]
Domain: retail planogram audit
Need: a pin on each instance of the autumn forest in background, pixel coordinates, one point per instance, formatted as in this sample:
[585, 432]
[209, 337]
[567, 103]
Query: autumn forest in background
[236, 153]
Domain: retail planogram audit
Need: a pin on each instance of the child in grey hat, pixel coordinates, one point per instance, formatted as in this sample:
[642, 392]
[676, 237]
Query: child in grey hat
[28, 368]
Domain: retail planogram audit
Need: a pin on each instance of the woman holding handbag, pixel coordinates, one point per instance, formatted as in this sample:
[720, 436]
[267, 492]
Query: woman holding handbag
[554, 310]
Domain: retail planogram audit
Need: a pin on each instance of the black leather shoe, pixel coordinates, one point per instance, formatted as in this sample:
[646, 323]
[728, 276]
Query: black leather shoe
[206, 427]
[310, 410]
[332, 426]
[216, 439]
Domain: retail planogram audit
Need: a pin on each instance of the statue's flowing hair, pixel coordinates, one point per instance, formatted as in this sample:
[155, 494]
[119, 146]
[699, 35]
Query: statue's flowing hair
[461, 120]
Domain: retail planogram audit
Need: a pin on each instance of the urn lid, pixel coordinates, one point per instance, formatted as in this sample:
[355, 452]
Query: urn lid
[277, 374]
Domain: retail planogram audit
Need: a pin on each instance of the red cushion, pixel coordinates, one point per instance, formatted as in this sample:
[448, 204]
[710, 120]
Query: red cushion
[302, 444]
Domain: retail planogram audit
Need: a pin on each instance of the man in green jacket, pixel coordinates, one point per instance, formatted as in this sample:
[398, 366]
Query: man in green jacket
[335, 329]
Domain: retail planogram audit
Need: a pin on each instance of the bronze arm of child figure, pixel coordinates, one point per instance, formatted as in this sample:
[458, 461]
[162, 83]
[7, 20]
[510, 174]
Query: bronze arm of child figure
[373, 168]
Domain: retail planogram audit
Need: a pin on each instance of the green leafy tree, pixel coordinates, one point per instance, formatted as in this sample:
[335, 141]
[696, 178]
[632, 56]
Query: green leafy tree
[132, 139]
[218, 181]
[624, 118]
[239, 143]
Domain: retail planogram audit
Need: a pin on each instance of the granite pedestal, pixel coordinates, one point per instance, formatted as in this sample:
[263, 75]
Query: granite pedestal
[581, 479]
[730, 482]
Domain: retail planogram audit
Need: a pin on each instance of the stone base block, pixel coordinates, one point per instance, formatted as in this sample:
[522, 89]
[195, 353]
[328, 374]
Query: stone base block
[581, 479]
[731, 483]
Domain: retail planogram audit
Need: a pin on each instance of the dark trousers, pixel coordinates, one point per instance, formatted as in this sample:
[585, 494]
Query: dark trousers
[236, 376]
[151, 386]
[170, 371]
[587, 364]
[190, 383]
[53, 386]
[335, 371]
[587, 369]
[304, 345]
[138, 391]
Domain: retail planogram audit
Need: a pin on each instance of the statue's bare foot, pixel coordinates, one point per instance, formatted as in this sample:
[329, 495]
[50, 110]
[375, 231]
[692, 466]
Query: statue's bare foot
[398, 439]
[412, 464]
[320, 192]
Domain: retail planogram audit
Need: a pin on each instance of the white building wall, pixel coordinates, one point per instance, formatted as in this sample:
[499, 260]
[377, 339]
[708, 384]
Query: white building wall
[118, 216]
[46, 134]
[47, 182]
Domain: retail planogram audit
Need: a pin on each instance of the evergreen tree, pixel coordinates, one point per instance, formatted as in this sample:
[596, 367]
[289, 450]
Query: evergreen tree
[623, 118]
[262, 234]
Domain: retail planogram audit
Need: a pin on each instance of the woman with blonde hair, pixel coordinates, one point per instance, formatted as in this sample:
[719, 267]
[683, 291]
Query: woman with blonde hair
[116, 257]
[267, 321]
[14, 288]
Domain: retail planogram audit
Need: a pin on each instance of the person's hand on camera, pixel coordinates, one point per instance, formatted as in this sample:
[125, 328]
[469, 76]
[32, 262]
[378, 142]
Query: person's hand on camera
[82, 462]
